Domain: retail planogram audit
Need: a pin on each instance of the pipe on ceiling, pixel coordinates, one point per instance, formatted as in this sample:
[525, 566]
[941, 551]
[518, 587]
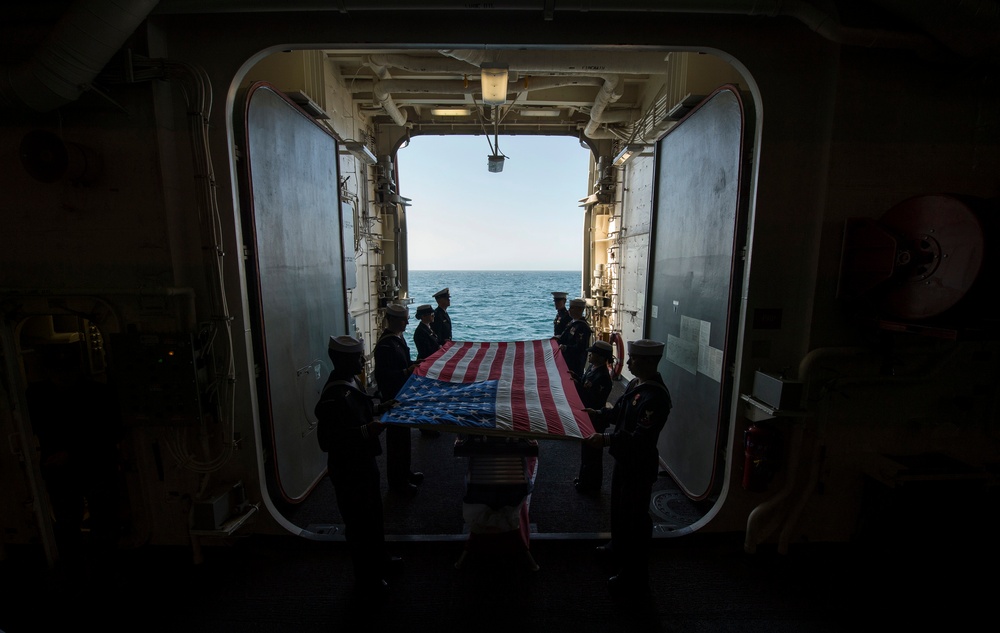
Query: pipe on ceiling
[577, 62]
[606, 65]
[83, 41]
[382, 97]
[610, 92]
[600, 64]
[459, 87]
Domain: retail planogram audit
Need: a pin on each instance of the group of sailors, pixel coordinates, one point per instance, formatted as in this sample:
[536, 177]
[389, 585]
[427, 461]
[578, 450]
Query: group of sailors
[392, 369]
[349, 428]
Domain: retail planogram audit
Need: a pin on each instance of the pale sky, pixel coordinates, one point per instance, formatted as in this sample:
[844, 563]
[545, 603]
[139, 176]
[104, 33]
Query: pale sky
[462, 217]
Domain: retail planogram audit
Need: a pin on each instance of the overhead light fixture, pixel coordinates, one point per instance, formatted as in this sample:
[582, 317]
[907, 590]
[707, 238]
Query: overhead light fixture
[451, 111]
[495, 163]
[361, 152]
[540, 112]
[626, 154]
[493, 78]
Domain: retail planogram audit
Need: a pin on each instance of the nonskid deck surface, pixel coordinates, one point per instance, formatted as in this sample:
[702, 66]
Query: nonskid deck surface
[556, 509]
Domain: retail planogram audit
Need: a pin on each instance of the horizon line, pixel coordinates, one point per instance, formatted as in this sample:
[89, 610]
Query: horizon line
[492, 270]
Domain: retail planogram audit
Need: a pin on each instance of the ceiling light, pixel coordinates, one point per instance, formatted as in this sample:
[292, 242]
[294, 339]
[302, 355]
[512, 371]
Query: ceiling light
[494, 83]
[451, 111]
[494, 163]
[626, 154]
[540, 112]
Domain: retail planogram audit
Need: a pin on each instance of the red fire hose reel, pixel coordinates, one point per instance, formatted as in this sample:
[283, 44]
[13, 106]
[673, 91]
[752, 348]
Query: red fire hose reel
[921, 259]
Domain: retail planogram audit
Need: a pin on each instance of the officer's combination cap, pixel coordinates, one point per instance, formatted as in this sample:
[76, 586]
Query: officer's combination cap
[442, 293]
[559, 295]
[424, 309]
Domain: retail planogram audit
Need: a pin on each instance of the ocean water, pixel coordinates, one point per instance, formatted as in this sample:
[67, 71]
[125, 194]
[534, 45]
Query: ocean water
[495, 305]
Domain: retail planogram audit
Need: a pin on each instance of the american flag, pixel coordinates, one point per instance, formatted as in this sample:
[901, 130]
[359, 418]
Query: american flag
[519, 388]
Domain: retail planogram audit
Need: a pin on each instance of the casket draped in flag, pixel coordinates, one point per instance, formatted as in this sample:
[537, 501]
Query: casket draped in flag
[519, 388]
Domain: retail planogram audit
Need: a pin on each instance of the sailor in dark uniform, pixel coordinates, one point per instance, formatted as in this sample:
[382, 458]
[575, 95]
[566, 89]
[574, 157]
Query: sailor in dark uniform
[594, 388]
[562, 314]
[442, 322]
[633, 427]
[348, 431]
[575, 339]
[392, 368]
[427, 343]
[423, 336]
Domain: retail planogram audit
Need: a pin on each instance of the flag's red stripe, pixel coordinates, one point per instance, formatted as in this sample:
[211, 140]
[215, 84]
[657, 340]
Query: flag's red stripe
[518, 405]
[474, 355]
[552, 422]
[426, 364]
[473, 370]
[449, 367]
[497, 367]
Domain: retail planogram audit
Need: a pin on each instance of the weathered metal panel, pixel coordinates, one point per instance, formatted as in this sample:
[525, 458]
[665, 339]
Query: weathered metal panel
[298, 265]
[691, 283]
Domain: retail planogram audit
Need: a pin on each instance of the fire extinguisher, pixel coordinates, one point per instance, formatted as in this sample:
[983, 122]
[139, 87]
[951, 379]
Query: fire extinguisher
[760, 456]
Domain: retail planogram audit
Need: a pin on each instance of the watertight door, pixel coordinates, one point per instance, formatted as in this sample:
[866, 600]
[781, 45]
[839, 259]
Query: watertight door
[292, 227]
[695, 272]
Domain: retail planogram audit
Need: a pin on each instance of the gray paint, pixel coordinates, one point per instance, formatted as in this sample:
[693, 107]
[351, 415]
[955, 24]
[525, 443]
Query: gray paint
[297, 242]
[691, 281]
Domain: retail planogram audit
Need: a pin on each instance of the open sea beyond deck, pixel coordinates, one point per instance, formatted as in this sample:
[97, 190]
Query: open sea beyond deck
[494, 305]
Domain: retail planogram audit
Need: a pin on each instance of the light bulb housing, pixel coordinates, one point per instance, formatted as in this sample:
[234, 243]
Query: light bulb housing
[493, 78]
[451, 111]
[626, 154]
[495, 163]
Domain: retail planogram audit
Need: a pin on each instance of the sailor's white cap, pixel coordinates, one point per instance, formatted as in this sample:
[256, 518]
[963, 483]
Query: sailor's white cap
[558, 295]
[424, 309]
[396, 310]
[601, 347]
[578, 303]
[442, 293]
[645, 347]
[346, 344]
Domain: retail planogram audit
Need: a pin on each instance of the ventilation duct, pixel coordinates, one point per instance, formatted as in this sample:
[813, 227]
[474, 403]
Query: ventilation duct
[81, 44]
